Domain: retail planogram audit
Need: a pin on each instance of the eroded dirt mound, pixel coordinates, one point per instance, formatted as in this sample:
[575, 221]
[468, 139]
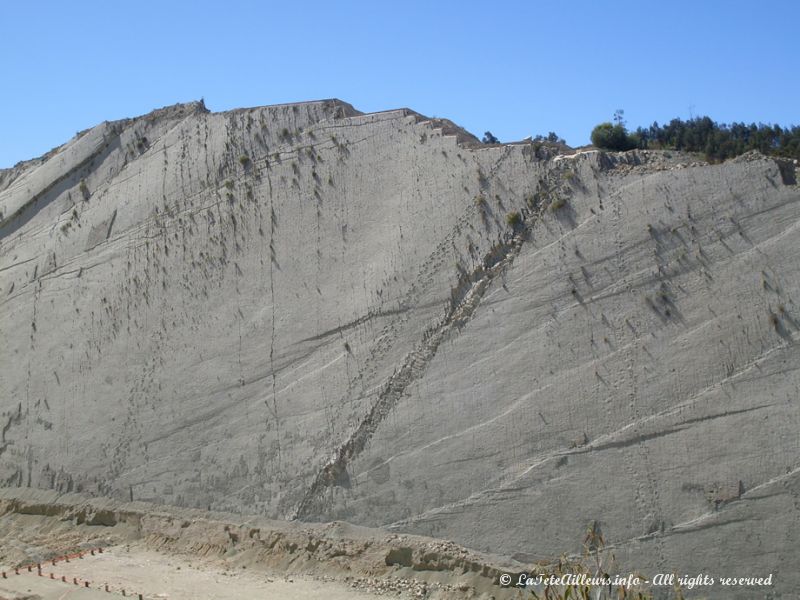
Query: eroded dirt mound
[37, 527]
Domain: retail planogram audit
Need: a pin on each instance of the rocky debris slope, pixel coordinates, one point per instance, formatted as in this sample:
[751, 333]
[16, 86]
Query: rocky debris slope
[36, 526]
[304, 311]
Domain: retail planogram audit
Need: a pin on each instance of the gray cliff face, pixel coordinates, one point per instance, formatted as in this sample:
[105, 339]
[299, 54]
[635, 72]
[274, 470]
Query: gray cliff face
[308, 312]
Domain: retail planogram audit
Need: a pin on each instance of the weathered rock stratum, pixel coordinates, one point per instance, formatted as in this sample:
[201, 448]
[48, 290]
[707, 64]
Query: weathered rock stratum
[307, 312]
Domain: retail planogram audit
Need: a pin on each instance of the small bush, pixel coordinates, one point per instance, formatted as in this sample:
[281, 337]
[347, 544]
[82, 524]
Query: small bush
[552, 138]
[612, 137]
[244, 160]
[514, 219]
[557, 204]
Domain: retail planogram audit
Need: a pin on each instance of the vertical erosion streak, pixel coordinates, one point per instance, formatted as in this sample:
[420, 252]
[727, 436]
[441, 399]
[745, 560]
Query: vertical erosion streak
[413, 366]
[272, 259]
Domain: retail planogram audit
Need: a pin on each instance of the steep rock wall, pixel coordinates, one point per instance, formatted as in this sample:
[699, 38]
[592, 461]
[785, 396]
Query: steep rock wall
[305, 311]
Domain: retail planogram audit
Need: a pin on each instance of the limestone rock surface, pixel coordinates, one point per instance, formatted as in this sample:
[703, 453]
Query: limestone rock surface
[307, 312]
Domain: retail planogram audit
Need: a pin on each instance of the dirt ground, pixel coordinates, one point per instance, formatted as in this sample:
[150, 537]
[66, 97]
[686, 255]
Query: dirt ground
[172, 553]
[159, 577]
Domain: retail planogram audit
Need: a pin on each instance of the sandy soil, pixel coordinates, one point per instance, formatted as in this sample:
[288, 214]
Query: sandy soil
[164, 552]
[159, 577]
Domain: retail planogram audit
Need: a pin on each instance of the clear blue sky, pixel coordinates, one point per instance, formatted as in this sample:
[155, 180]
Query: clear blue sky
[517, 68]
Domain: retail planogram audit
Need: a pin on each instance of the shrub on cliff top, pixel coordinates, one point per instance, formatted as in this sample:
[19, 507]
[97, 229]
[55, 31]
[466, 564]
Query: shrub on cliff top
[612, 137]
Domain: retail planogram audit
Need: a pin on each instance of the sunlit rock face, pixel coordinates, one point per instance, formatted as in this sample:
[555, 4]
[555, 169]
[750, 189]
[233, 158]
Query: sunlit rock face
[308, 312]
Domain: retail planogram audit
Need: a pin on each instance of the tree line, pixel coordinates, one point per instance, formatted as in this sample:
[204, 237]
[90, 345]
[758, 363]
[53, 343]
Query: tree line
[717, 141]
